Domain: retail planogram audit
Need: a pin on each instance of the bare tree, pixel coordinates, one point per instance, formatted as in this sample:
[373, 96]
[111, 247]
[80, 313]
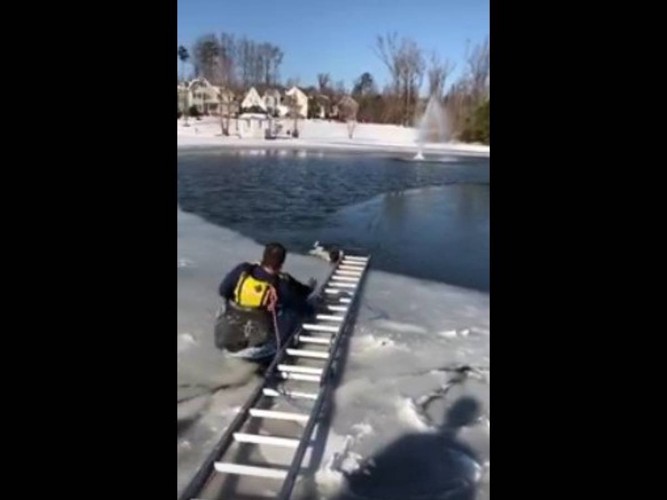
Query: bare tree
[276, 61]
[339, 89]
[292, 82]
[324, 82]
[406, 66]
[392, 109]
[478, 60]
[228, 56]
[348, 109]
[238, 61]
[225, 99]
[268, 58]
[470, 91]
[387, 51]
[206, 52]
[459, 103]
[437, 75]
[243, 61]
[412, 65]
[255, 63]
[265, 60]
[220, 103]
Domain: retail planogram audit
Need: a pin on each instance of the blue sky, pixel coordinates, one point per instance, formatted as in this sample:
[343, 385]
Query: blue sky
[338, 37]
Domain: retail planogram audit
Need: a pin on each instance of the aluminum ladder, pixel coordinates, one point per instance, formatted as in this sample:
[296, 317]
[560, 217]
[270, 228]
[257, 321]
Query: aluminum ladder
[308, 359]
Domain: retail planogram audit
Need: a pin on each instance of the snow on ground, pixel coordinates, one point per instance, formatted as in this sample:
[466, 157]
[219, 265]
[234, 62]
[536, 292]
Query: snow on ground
[411, 415]
[322, 134]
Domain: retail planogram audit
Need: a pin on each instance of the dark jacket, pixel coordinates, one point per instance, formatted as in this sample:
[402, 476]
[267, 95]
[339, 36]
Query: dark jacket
[292, 294]
[240, 328]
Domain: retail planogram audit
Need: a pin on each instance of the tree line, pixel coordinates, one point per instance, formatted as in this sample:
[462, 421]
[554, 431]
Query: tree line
[236, 63]
[239, 63]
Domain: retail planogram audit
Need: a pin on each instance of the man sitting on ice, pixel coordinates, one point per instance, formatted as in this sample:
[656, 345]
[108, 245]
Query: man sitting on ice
[264, 306]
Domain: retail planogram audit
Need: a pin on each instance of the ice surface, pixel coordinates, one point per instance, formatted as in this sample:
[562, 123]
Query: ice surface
[416, 376]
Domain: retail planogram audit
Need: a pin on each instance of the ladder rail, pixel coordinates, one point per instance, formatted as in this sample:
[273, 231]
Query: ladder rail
[203, 474]
[325, 387]
[207, 468]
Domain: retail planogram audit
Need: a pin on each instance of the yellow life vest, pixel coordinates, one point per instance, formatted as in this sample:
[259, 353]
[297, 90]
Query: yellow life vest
[252, 292]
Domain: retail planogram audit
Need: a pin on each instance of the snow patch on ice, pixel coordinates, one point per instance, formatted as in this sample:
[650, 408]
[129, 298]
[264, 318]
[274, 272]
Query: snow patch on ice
[399, 327]
[373, 344]
[410, 414]
[182, 262]
[185, 341]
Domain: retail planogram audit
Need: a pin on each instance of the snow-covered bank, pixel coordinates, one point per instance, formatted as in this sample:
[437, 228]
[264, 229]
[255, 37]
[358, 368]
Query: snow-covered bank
[401, 399]
[327, 135]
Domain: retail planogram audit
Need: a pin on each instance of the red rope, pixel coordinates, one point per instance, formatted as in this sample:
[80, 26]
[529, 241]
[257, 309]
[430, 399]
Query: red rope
[273, 301]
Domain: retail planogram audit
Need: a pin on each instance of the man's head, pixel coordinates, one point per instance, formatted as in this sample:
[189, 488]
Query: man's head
[274, 256]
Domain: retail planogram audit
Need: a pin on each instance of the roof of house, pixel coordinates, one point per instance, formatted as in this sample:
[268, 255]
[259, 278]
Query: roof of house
[252, 98]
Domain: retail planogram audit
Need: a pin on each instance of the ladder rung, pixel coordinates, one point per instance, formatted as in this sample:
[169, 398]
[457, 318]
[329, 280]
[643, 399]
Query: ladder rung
[315, 340]
[345, 278]
[345, 300]
[348, 273]
[357, 258]
[320, 328]
[300, 376]
[300, 369]
[279, 415]
[249, 470]
[290, 394]
[349, 266]
[343, 285]
[337, 308]
[308, 354]
[242, 437]
[330, 317]
[335, 291]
